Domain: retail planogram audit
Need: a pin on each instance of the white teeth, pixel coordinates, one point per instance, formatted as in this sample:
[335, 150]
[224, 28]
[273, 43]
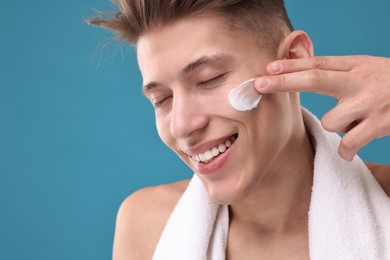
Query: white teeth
[222, 148]
[215, 151]
[209, 155]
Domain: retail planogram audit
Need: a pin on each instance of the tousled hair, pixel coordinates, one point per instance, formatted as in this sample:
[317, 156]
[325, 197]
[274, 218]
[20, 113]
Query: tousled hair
[267, 20]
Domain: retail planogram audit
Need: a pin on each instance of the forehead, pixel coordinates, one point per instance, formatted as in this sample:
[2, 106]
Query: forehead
[172, 46]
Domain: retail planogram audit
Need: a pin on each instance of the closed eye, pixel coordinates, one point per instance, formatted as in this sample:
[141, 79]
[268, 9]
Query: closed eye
[213, 81]
[159, 102]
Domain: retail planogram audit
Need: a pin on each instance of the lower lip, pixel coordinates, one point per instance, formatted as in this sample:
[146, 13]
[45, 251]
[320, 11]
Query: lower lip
[216, 164]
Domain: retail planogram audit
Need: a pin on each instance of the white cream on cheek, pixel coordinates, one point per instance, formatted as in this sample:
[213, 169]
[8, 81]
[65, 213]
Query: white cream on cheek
[244, 97]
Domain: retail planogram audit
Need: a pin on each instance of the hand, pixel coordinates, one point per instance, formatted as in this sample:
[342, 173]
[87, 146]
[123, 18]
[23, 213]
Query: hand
[360, 83]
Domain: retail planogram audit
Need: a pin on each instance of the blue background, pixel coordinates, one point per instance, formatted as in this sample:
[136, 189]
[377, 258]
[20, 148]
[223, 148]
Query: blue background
[76, 135]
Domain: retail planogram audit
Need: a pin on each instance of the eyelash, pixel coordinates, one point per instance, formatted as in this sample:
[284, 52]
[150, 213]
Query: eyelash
[212, 81]
[206, 84]
[161, 102]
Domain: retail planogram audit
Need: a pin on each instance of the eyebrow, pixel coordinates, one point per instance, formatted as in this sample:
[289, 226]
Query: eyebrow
[202, 61]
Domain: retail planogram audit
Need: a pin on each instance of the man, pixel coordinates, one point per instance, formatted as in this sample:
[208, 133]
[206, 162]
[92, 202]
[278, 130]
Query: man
[260, 162]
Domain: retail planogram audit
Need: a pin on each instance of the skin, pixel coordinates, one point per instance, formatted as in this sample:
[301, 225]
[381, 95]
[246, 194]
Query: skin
[362, 86]
[268, 200]
[360, 83]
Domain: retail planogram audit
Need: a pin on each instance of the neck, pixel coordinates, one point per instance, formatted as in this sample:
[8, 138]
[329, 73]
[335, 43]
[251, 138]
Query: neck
[280, 203]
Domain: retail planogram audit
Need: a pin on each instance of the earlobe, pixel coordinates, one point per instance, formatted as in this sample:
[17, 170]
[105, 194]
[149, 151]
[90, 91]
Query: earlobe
[296, 45]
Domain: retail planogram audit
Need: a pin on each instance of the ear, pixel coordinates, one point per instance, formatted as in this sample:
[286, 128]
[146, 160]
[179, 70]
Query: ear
[296, 45]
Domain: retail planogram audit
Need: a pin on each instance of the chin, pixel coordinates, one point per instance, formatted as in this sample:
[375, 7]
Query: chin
[226, 195]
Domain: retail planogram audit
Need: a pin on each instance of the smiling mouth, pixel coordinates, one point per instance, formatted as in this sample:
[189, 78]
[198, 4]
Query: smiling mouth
[209, 155]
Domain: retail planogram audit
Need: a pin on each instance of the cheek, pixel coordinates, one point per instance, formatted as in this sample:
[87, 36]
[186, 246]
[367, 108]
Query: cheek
[223, 108]
[217, 101]
[163, 130]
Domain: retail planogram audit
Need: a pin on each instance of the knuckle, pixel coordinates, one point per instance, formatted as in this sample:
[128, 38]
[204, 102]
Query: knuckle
[349, 143]
[315, 76]
[281, 80]
[326, 122]
[367, 102]
[319, 62]
[362, 58]
[366, 77]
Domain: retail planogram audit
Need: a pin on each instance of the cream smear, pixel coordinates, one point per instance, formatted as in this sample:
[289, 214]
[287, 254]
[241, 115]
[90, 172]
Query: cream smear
[244, 97]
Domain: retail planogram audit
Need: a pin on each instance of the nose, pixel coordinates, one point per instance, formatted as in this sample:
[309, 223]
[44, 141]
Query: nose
[187, 116]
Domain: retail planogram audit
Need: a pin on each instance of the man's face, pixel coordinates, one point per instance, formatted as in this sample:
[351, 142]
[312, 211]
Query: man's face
[188, 69]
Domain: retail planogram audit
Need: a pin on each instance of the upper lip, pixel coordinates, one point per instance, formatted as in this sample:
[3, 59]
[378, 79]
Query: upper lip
[201, 148]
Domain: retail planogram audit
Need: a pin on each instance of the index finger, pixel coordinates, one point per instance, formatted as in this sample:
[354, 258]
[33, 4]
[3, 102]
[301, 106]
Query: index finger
[330, 83]
[335, 63]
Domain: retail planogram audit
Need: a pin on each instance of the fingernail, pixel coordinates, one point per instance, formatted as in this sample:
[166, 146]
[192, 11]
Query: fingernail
[263, 82]
[276, 67]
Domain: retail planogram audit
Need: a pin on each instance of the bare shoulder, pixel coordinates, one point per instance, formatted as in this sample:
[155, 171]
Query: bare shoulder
[381, 174]
[141, 219]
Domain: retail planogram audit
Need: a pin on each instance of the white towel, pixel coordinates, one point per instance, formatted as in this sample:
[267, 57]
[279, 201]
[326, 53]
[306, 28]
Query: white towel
[349, 215]
[197, 228]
